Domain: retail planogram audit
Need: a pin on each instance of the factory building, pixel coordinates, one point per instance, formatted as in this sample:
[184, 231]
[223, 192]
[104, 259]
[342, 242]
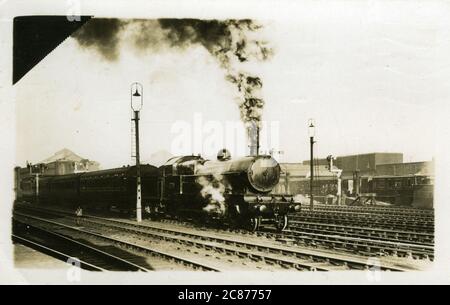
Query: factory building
[364, 164]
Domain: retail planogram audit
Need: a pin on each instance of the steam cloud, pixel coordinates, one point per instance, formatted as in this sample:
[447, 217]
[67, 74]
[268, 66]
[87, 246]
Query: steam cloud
[229, 41]
[213, 191]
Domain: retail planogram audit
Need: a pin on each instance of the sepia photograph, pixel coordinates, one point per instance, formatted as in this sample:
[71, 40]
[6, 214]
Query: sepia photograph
[261, 142]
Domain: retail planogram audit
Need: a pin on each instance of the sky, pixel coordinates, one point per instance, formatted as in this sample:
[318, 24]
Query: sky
[372, 84]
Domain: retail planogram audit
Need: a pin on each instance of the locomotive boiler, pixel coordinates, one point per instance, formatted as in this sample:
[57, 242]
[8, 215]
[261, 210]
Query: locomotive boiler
[236, 191]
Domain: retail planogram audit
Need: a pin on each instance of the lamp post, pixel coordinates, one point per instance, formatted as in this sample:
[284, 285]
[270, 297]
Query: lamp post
[311, 133]
[137, 95]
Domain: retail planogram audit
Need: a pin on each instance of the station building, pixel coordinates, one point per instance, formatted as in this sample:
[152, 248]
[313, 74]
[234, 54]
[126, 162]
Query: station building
[62, 162]
[66, 162]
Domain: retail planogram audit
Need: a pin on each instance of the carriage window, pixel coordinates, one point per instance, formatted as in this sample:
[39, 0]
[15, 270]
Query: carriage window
[390, 184]
[380, 184]
[409, 182]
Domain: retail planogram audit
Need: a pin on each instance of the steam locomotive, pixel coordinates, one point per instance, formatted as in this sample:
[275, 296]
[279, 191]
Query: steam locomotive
[235, 192]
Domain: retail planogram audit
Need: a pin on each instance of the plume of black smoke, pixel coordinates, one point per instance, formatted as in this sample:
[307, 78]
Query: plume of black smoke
[226, 40]
[102, 34]
[147, 35]
[250, 104]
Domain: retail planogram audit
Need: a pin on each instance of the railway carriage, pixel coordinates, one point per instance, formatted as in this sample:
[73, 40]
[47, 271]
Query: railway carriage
[115, 189]
[234, 192]
[27, 187]
[397, 190]
[63, 190]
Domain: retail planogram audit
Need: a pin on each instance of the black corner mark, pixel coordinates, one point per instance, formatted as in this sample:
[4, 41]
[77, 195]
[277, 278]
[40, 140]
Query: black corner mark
[34, 37]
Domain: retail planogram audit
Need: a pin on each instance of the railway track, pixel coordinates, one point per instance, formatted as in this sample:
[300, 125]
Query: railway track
[342, 241]
[363, 246]
[381, 215]
[69, 230]
[287, 257]
[345, 243]
[349, 219]
[70, 250]
[363, 241]
[364, 232]
[374, 209]
[396, 217]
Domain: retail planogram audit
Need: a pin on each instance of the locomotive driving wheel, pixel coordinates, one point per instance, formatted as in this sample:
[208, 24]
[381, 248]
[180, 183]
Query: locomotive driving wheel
[281, 222]
[254, 223]
[153, 213]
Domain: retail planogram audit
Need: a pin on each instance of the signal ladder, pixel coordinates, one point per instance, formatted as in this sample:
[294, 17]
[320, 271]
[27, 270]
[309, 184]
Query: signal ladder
[133, 143]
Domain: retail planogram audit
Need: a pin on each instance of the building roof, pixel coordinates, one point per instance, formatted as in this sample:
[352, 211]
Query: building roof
[323, 160]
[372, 153]
[158, 158]
[63, 155]
[422, 168]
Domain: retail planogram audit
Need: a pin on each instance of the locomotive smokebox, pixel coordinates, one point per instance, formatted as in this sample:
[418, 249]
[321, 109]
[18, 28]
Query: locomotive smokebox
[264, 173]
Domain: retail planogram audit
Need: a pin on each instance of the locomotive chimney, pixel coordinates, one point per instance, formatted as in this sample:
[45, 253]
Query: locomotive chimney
[253, 135]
